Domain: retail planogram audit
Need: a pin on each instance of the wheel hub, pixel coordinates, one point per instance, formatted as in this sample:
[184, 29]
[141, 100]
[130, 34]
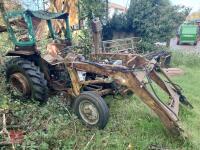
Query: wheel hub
[20, 84]
[89, 112]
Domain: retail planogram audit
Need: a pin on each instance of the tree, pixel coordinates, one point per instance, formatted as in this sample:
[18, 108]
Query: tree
[93, 8]
[153, 20]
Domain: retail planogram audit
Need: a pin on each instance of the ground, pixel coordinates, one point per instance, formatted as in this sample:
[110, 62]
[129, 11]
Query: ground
[131, 125]
[184, 47]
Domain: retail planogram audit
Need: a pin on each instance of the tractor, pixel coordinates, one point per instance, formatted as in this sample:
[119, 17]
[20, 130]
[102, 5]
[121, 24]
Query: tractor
[84, 82]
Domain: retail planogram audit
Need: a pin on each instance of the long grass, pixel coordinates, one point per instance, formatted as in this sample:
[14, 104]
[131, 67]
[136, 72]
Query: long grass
[190, 60]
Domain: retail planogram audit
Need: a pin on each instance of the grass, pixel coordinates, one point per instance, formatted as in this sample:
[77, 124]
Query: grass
[131, 125]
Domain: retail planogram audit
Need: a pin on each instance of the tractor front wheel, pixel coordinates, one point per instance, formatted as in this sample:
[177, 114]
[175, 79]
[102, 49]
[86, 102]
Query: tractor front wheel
[92, 109]
[26, 80]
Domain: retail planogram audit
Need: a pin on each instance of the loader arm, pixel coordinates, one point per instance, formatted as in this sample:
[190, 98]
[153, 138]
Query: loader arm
[134, 81]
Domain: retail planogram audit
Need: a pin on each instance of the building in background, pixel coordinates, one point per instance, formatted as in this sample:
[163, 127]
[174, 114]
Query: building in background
[114, 8]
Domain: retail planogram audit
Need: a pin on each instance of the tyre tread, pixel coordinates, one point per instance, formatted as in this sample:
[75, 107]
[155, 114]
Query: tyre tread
[33, 73]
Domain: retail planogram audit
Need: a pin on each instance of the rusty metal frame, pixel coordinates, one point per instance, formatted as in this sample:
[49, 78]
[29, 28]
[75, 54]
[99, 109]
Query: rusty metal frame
[129, 76]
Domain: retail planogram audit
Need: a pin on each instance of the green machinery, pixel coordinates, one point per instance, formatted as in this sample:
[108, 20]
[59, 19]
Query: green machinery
[83, 82]
[187, 34]
[27, 17]
[27, 70]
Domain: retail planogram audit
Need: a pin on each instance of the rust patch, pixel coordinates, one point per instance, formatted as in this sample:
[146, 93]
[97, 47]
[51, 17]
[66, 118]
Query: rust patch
[131, 75]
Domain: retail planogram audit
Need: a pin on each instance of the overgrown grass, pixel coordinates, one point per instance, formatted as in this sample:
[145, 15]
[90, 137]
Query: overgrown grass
[190, 60]
[132, 125]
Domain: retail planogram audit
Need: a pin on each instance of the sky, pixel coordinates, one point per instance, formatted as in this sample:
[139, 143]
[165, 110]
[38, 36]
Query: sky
[194, 4]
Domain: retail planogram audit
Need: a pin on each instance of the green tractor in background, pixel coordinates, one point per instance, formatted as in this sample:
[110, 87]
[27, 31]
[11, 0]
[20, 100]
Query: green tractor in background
[188, 34]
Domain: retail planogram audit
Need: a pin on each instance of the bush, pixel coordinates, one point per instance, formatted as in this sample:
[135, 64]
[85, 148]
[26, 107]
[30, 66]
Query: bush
[83, 42]
[146, 46]
[154, 20]
[107, 32]
[46, 127]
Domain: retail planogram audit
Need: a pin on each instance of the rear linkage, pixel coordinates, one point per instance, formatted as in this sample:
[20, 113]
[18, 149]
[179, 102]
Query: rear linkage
[132, 74]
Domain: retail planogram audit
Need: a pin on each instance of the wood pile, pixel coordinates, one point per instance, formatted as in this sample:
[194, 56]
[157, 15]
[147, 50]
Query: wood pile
[174, 72]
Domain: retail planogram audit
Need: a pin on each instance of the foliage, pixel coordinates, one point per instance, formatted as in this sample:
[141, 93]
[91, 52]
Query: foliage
[83, 41]
[107, 32]
[46, 130]
[119, 22]
[53, 125]
[146, 46]
[93, 8]
[88, 9]
[131, 123]
[191, 60]
[153, 20]
[5, 44]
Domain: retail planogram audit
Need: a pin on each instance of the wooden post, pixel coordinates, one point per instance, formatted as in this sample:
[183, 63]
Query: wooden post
[97, 29]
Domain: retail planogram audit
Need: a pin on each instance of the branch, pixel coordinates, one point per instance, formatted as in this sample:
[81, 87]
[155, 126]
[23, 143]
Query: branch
[89, 141]
[4, 131]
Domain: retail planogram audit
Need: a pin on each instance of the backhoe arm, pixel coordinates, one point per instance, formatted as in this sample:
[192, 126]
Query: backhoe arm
[134, 81]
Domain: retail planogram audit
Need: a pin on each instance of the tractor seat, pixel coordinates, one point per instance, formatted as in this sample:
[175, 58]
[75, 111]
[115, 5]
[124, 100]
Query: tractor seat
[53, 54]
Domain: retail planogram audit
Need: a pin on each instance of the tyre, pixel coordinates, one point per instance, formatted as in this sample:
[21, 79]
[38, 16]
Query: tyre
[91, 109]
[195, 43]
[26, 79]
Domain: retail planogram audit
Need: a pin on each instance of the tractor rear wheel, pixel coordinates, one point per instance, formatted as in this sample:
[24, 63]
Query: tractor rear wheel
[92, 109]
[26, 80]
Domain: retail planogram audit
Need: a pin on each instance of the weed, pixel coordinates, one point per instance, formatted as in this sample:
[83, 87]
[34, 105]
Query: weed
[131, 123]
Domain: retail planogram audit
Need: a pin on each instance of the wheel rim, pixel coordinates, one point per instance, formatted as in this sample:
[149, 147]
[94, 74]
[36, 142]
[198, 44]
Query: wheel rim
[89, 112]
[20, 84]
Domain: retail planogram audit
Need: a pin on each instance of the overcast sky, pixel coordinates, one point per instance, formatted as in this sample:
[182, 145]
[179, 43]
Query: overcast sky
[194, 4]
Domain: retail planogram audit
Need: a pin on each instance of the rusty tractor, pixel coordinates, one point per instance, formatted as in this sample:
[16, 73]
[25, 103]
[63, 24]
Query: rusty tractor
[84, 82]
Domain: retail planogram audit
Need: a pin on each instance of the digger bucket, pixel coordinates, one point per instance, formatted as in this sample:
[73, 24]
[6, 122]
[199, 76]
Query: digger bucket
[135, 73]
